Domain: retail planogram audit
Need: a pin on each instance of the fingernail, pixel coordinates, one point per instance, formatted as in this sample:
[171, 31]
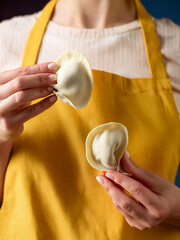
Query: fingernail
[100, 180]
[53, 99]
[127, 154]
[50, 89]
[108, 175]
[52, 66]
[53, 78]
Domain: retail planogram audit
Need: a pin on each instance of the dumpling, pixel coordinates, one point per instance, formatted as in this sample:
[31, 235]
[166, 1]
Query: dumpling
[74, 79]
[105, 145]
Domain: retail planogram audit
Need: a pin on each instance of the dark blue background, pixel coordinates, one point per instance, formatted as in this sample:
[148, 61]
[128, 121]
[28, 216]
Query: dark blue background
[169, 9]
[157, 8]
[164, 8]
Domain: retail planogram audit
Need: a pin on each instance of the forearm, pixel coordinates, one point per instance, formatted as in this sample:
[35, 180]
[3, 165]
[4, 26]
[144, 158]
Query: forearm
[5, 151]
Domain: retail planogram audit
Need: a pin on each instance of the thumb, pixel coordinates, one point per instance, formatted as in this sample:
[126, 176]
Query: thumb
[147, 178]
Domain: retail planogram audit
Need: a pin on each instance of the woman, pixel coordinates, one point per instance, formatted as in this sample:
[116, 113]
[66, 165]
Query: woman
[49, 189]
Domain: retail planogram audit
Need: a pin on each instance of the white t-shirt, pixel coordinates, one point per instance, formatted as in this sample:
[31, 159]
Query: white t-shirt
[118, 50]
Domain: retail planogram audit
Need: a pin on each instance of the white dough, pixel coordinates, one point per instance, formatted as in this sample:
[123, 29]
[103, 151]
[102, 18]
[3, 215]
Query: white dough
[105, 146]
[74, 79]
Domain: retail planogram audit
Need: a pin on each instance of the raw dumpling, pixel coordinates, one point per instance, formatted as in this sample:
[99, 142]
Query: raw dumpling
[74, 79]
[105, 146]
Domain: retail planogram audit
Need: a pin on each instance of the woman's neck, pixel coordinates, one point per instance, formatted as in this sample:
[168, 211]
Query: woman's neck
[94, 13]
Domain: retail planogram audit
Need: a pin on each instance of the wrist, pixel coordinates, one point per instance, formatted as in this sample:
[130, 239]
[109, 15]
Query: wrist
[5, 151]
[6, 144]
[174, 216]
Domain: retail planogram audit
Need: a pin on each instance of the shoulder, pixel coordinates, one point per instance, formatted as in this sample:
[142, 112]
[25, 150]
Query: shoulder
[169, 38]
[18, 20]
[13, 35]
[168, 31]
[16, 25]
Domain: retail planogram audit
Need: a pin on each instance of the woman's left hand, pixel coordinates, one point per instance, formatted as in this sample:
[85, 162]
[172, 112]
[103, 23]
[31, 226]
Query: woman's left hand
[158, 200]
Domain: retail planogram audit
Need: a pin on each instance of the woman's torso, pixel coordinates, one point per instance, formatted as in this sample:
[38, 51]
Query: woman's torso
[50, 190]
[123, 45]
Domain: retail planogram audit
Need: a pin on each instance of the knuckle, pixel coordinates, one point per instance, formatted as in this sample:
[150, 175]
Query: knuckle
[111, 191]
[120, 180]
[24, 71]
[42, 91]
[19, 97]
[108, 189]
[117, 206]
[42, 105]
[126, 207]
[159, 215]
[18, 83]
[41, 80]
[30, 111]
[35, 109]
[40, 68]
[136, 190]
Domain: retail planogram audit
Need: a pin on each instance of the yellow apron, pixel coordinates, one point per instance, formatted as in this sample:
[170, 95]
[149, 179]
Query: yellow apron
[50, 189]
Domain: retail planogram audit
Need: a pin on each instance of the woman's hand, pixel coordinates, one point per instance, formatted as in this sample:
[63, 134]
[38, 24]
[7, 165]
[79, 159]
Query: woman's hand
[18, 88]
[158, 200]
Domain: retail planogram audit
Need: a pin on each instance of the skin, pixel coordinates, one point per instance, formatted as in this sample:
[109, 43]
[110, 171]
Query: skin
[18, 88]
[159, 200]
[99, 14]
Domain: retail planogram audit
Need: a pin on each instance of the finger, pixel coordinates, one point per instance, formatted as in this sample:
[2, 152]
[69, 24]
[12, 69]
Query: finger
[23, 106]
[48, 67]
[147, 178]
[126, 203]
[12, 103]
[33, 110]
[131, 220]
[26, 82]
[135, 188]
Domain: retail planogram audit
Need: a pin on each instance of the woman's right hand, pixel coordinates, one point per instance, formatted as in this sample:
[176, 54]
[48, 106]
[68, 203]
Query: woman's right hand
[18, 88]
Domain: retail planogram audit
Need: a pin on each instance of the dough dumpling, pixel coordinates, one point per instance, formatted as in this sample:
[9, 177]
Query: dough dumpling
[105, 145]
[74, 79]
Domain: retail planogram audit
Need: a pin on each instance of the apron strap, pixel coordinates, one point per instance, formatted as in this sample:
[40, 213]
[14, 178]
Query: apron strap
[153, 50]
[36, 35]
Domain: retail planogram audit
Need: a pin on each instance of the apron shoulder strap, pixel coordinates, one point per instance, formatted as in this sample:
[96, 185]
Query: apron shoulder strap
[36, 35]
[153, 50]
